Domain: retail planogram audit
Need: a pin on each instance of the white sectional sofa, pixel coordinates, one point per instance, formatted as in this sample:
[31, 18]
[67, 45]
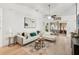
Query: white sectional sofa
[22, 40]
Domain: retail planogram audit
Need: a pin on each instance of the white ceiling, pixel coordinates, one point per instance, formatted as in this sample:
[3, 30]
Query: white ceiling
[41, 9]
[59, 9]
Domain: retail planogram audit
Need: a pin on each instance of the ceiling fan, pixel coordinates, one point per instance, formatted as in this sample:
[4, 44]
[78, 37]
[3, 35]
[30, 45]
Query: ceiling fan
[49, 16]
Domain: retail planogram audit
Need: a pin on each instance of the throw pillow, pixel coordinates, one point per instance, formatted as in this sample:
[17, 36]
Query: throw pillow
[32, 34]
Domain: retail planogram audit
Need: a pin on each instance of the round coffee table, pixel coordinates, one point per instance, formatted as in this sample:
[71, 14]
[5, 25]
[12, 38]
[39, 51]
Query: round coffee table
[39, 43]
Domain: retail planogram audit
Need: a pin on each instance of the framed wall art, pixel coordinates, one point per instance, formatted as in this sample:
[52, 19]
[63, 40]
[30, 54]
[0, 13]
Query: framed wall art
[29, 22]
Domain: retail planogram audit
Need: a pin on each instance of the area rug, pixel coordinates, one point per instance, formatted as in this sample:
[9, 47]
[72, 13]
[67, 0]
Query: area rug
[42, 51]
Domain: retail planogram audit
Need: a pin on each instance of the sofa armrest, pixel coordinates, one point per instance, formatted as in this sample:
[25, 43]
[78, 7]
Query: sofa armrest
[20, 39]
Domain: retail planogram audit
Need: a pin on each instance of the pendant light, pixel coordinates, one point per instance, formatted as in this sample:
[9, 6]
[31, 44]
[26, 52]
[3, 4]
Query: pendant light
[49, 17]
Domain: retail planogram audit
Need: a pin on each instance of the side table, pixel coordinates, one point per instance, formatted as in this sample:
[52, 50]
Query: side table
[13, 38]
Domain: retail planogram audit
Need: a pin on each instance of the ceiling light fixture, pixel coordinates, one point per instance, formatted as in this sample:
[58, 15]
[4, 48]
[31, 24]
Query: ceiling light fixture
[49, 17]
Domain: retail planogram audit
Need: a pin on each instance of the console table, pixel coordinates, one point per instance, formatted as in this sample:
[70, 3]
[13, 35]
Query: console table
[75, 45]
[12, 40]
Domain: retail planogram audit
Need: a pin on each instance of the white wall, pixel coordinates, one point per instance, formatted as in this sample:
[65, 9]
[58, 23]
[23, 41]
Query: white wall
[71, 23]
[13, 21]
[1, 15]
